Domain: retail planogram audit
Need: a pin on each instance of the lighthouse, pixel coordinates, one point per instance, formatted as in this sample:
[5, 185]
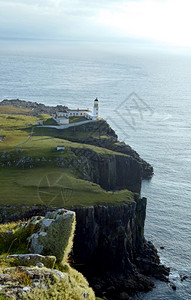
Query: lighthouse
[96, 109]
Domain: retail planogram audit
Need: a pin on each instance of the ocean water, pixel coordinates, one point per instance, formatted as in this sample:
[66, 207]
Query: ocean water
[147, 100]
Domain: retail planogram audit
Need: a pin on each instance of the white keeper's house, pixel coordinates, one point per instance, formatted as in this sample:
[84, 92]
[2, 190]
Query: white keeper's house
[63, 117]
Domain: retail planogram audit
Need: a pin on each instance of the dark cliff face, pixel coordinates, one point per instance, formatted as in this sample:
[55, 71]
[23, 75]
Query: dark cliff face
[110, 171]
[102, 135]
[146, 168]
[109, 244]
[108, 237]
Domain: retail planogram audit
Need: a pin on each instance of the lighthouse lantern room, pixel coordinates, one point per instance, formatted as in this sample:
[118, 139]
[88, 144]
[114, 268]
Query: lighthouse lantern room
[96, 108]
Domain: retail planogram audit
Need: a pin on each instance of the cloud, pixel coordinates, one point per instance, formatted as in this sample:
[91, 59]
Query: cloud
[166, 21]
[161, 21]
[45, 19]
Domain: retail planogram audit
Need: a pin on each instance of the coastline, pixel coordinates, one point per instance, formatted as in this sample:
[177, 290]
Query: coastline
[129, 169]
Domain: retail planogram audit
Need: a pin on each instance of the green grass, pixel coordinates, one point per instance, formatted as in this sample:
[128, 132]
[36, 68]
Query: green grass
[5, 109]
[16, 122]
[69, 288]
[77, 119]
[45, 143]
[15, 243]
[13, 126]
[68, 133]
[17, 129]
[54, 187]
[72, 287]
[20, 122]
[29, 186]
[49, 121]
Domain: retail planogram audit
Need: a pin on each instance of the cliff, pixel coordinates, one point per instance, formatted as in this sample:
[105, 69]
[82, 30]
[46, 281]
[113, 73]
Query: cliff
[111, 251]
[102, 135]
[31, 275]
[109, 247]
[110, 171]
[109, 244]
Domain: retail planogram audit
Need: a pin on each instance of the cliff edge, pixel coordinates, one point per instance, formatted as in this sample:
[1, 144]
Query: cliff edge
[96, 176]
[111, 251]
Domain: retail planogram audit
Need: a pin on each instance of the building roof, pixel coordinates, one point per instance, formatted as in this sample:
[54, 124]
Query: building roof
[79, 110]
[62, 111]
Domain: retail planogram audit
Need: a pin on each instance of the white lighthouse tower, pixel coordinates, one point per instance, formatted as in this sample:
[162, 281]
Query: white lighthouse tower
[96, 109]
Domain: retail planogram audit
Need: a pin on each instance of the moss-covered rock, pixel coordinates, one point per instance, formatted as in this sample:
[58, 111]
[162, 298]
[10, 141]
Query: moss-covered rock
[43, 283]
[32, 260]
[31, 276]
[53, 234]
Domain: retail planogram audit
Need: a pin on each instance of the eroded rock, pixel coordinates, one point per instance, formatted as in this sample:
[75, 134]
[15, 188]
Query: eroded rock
[42, 283]
[53, 234]
[33, 260]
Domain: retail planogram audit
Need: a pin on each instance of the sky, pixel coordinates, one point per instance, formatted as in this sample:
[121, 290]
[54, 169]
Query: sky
[158, 23]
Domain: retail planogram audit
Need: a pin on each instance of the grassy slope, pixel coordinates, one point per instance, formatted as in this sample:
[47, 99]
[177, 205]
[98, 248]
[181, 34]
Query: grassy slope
[17, 129]
[5, 109]
[46, 184]
[14, 243]
[53, 186]
[66, 134]
[46, 143]
[56, 289]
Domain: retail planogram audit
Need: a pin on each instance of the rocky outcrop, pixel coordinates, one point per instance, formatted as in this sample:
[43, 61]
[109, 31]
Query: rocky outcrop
[31, 276]
[32, 260]
[10, 213]
[94, 129]
[146, 169]
[43, 283]
[102, 135]
[109, 244]
[110, 171]
[52, 234]
[109, 247]
[95, 133]
[34, 107]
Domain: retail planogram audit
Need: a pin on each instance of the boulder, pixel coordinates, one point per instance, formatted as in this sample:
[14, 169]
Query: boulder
[33, 260]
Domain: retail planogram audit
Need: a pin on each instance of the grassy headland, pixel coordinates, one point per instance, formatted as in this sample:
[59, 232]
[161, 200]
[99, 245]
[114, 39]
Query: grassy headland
[43, 182]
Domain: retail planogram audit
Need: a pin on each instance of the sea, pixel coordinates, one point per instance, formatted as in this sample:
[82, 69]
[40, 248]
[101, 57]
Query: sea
[146, 98]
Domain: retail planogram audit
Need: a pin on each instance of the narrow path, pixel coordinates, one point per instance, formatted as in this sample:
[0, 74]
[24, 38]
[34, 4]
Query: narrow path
[32, 130]
[56, 127]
